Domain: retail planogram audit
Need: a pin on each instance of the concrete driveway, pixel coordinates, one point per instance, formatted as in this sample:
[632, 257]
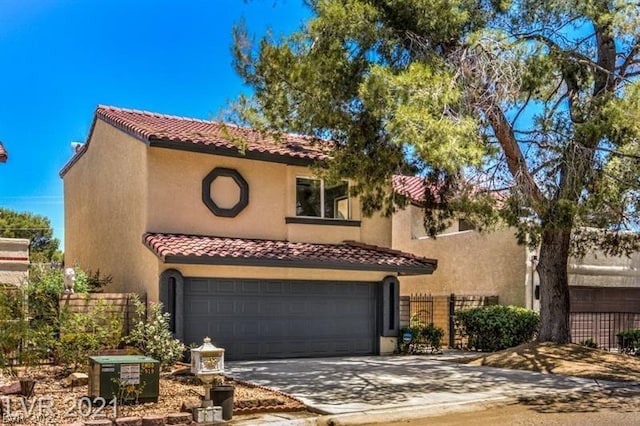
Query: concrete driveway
[357, 384]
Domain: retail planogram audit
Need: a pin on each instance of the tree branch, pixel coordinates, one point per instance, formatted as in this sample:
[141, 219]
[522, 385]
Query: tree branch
[515, 159]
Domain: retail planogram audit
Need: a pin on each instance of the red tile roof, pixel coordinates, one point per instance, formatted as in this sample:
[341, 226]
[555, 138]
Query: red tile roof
[3, 154]
[412, 187]
[178, 248]
[191, 134]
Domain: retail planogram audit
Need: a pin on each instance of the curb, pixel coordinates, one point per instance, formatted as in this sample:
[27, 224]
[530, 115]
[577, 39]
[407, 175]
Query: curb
[392, 415]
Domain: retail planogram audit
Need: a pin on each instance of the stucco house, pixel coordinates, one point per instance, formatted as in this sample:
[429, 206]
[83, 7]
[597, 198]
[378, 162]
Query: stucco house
[604, 290]
[240, 242]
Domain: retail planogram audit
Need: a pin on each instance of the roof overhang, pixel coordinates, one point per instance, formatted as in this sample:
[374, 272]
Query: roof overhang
[348, 256]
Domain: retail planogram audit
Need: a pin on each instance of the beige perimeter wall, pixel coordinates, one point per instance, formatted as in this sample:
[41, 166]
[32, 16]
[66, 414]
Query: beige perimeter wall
[468, 262]
[14, 261]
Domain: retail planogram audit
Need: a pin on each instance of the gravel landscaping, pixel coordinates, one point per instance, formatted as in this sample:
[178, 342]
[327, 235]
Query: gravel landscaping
[54, 404]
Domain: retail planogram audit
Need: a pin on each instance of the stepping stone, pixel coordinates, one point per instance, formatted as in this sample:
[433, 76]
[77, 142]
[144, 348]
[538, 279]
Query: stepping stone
[179, 418]
[129, 421]
[153, 421]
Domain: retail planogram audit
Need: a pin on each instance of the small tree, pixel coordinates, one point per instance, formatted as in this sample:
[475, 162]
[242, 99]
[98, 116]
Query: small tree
[83, 334]
[152, 335]
[43, 248]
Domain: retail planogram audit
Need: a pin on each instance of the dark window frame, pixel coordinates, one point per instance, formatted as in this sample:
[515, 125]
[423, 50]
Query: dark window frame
[323, 200]
[238, 179]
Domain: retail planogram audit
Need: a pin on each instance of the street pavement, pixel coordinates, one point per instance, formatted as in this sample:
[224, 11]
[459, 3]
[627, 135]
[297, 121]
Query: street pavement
[397, 385]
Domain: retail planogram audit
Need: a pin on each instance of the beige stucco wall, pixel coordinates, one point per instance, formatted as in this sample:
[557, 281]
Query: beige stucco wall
[105, 211]
[598, 270]
[14, 261]
[120, 188]
[468, 262]
[175, 201]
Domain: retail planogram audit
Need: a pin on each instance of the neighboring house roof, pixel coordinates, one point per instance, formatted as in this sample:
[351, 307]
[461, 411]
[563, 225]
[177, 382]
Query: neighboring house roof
[189, 134]
[412, 187]
[196, 249]
[3, 154]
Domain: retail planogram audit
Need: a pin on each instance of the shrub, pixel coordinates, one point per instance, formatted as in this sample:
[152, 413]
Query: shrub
[22, 339]
[11, 323]
[629, 341]
[497, 327]
[152, 335]
[423, 337]
[84, 334]
[46, 283]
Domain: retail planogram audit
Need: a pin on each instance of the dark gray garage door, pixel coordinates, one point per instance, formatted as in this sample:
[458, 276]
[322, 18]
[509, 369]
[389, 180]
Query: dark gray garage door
[255, 319]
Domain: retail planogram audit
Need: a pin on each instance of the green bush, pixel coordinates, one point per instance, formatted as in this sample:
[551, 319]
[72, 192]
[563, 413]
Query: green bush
[423, 338]
[152, 336]
[497, 327]
[46, 283]
[629, 341]
[84, 334]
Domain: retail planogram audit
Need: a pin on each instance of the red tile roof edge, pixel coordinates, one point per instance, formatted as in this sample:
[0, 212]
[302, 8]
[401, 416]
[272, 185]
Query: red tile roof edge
[390, 251]
[106, 114]
[162, 251]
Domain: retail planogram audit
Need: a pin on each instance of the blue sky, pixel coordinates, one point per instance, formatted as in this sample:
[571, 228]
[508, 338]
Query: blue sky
[59, 59]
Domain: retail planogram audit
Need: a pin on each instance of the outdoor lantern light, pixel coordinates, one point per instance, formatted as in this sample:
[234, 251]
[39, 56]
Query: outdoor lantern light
[207, 362]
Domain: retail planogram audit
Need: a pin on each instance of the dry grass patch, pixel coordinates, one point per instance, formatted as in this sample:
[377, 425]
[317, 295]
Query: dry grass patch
[568, 360]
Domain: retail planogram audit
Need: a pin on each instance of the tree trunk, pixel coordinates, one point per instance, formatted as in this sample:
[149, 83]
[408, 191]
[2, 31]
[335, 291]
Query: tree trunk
[554, 286]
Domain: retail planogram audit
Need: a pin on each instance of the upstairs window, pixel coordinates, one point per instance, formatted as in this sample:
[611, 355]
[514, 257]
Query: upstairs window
[315, 198]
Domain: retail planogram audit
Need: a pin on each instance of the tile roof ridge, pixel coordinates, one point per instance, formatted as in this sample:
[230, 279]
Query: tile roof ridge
[352, 243]
[158, 114]
[103, 107]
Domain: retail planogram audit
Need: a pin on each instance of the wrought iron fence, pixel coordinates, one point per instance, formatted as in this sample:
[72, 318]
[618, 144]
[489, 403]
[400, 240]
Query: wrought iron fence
[602, 327]
[421, 308]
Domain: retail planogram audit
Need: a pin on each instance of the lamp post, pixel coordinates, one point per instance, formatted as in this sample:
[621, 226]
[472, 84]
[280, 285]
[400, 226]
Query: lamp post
[207, 363]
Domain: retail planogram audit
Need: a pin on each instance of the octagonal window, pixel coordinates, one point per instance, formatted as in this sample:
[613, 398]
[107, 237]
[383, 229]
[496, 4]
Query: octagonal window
[225, 192]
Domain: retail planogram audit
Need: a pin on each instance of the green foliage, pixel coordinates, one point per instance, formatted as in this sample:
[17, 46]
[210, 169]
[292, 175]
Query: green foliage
[125, 392]
[46, 283]
[497, 327]
[36, 228]
[423, 337]
[94, 282]
[536, 100]
[629, 341]
[84, 334]
[12, 326]
[152, 336]
[25, 340]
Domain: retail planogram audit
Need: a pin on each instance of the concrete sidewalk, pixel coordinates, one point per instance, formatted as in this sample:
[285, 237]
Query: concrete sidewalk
[398, 383]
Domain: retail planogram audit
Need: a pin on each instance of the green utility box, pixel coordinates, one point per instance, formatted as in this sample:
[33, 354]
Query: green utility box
[128, 378]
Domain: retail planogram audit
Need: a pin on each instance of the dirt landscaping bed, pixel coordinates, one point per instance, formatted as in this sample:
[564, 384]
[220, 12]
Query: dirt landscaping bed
[54, 404]
[568, 360]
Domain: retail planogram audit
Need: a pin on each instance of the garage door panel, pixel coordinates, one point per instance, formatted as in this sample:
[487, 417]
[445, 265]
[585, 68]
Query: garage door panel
[255, 319]
[275, 287]
[250, 287]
